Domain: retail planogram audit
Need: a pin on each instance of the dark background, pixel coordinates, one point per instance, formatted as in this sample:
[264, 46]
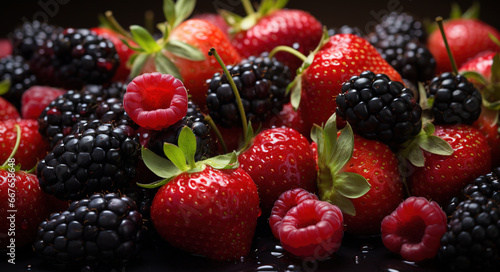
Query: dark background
[83, 13]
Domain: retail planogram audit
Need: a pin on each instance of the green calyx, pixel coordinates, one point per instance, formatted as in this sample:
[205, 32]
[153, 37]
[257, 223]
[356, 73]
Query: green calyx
[147, 47]
[4, 86]
[489, 88]
[181, 160]
[10, 164]
[334, 184]
[239, 23]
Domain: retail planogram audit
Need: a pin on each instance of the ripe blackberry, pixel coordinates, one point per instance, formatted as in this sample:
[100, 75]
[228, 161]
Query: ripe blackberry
[378, 108]
[101, 230]
[103, 92]
[111, 111]
[205, 144]
[261, 83]
[27, 38]
[472, 241]
[403, 24]
[59, 117]
[97, 158]
[75, 58]
[412, 60]
[345, 29]
[456, 100]
[17, 70]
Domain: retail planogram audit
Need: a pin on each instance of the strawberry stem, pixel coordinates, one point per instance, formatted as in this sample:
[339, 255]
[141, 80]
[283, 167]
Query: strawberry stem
[16, 146]
[288, 49]
[248, 7]
[243, 116]
[116, 26]
[439, 21]
[149, 21]
[212, 125]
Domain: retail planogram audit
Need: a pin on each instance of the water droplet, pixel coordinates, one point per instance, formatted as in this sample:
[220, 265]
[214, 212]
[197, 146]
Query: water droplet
[366, 248]
[356, 259]
[266, 268]
[277, 254]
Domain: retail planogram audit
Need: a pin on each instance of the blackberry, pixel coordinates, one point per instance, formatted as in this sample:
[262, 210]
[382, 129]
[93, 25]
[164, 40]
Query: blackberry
[99, 230]
[412, 60]
[473, 238]
[75, 58]
[378, 108]
[18, 71]
[97, 158]
[103, 92]
[27, 38]
[261, 82]
[205, 144]
[345, 29]
[456, 100]
[59, 117]
[111, 111]
[403, 24]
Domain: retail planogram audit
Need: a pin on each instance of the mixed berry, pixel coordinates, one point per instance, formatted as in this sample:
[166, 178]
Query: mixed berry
[273, 126]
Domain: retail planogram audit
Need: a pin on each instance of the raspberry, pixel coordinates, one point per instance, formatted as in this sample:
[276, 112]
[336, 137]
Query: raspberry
[155, 100]
[414, 229]
[285, 202]
[312, 229]
[5, 48]
[36, 98]
[7, 110]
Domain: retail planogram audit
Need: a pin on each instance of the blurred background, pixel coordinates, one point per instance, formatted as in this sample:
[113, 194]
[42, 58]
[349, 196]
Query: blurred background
[363, 14]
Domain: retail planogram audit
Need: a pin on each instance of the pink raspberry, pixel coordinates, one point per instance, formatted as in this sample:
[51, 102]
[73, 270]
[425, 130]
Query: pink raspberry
[36, 99]
[414, 229]
[155, 100]
[312, 229]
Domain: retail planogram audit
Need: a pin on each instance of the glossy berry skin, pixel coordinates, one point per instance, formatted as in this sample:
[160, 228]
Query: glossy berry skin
[462, 49]
[294, 28]
[27, 38]
[21, 77]
[481, 63]
[155, 100]
[414, 229]
[489, 128]
[5, 48]
[402, 24]
[32, 147]
[30, 204]
[287, 118]
[36, 98]
[284, 203]
[278, 160]
[344, 56]
[212, 212]
[215, 19]
[312, 229]
[443, 177]
[7, 110]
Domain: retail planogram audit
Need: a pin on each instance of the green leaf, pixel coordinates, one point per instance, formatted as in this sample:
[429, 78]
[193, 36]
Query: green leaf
[187, 143]
[416, 156]
[230, 17]
[144, 39]
[183, 9]
[184, 50]
[154, 184]
[166, 66]
[4, 86]
[159, 165]
[429, 128]
[494, 39]
[136, 49]
[226, 161]
[436, 145]
[296, 88]
[495, 69]
[176, 156]
[351, 185]
[343, 149]
[472, 12]
[330, 138]
[248, 22]
[138, 64]
[456, 11]
[316, 133]
[344, 203]
[169, 12]
[280, 4]
[475, 76]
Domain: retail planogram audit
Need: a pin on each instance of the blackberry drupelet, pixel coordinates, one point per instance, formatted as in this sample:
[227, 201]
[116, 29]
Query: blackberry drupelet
[261, 83]
[111, 111]
[473, 238]
[403, 24]
[27, 38]
[97, 158]
[345, 29]
[101, 230]
[17, 70]
[59, 117]
[378, 108]
[75, 58]
[206, 146]
[455, 99]
[103, 92]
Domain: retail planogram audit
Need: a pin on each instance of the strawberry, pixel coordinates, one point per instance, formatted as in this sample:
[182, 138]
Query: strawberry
[5, 48]
[7, 110]
[335, 61]
[287, 118]
[207, 207]
[215, 19]
[481, 64]
[279, 159]
[442, 177]
[466, 38]
[31, 148]
[360, 176]
[271, 26]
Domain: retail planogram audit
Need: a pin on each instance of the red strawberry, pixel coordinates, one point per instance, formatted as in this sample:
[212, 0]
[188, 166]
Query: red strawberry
[124, 52]
[339, 58]
[272, 26]
[7, 110]
[443, 177]
[287, 118]
[372, 163]
[36, 98]
[481, 64]
[466, 38]
[5, 48]
[278, 160]
[489, 127]
[31, 148]
[215, 19]
[208, 207]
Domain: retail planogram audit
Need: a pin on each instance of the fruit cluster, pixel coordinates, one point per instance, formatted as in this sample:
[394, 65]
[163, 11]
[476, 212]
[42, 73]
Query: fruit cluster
[225, 123]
